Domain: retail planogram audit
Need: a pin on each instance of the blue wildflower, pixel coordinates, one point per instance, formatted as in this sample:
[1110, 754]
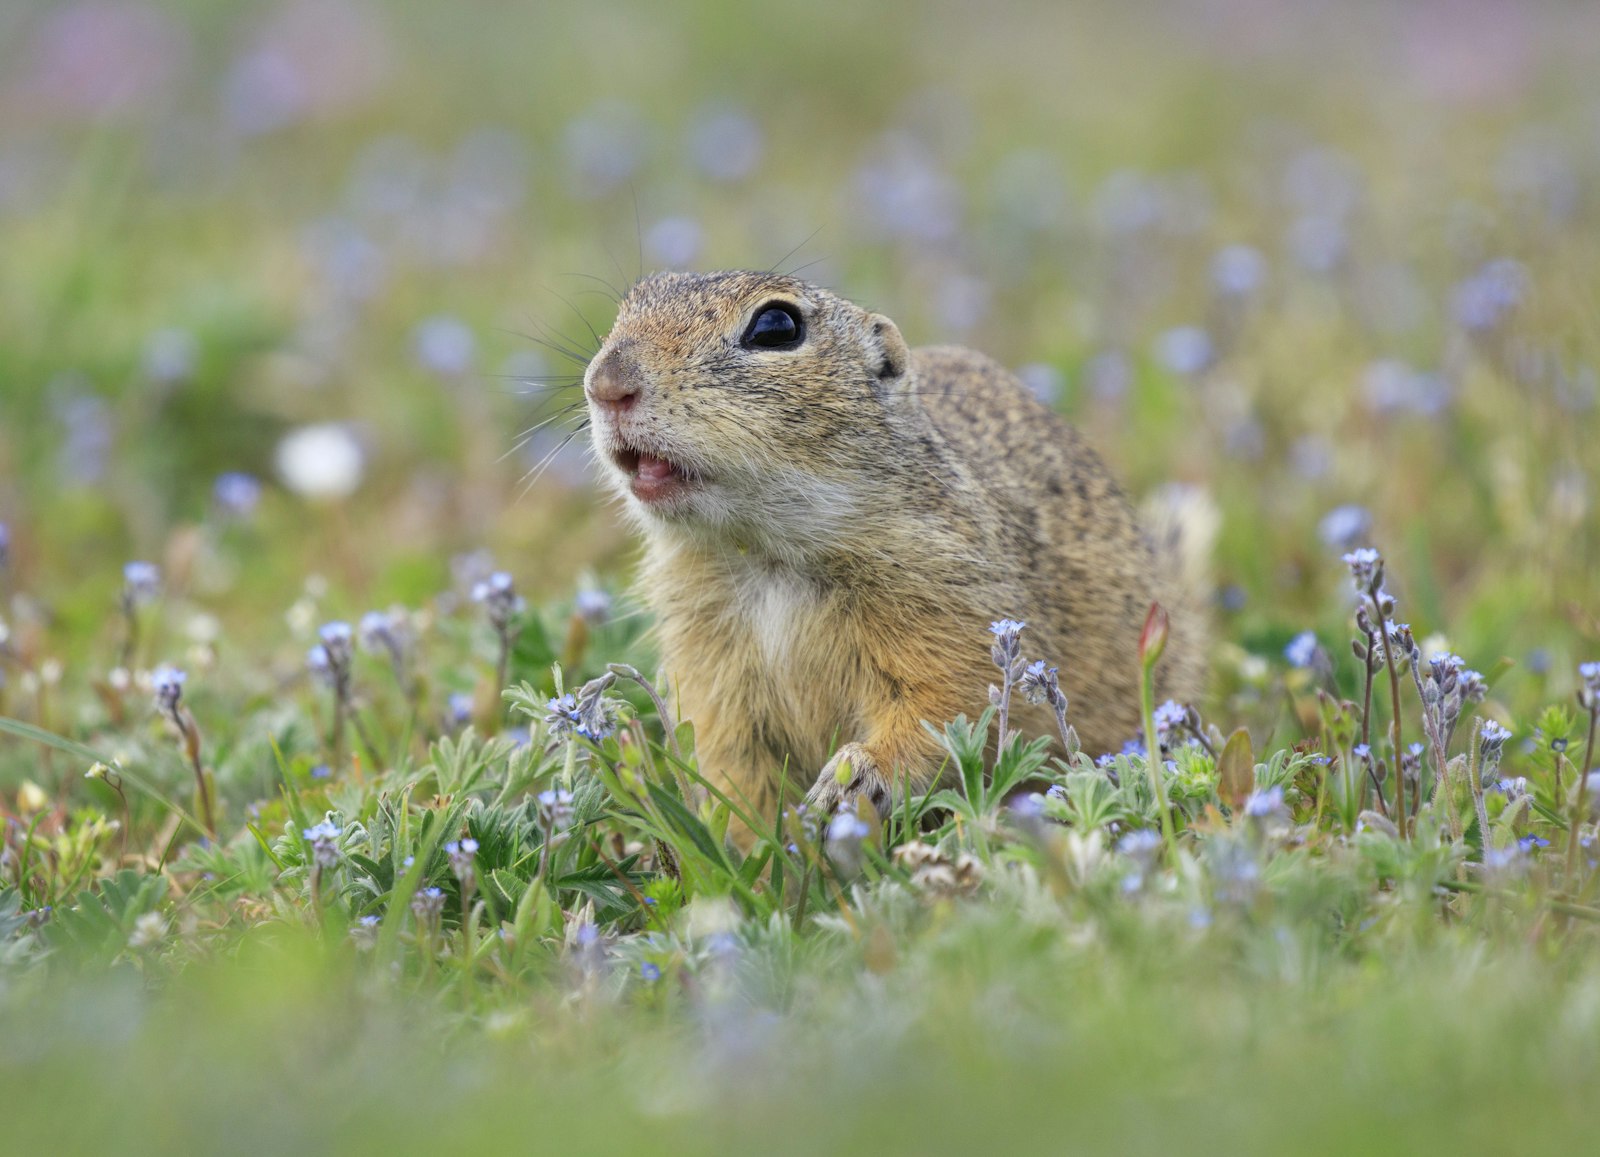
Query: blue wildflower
[1483, 300]
[1170, 716]
[1302, 649]
[1140, 845]
[167, 683]
[445, 346]
[592, 605]
[236, 494]
[1040, 684]
[561, 715]
[1186, 350]
[141, 583]
[1238, 270]
[1344, 526]
[555, 810]
[427, 904]
[1006, 629]
[846, 831]
[1266, 804]
[1363, 563]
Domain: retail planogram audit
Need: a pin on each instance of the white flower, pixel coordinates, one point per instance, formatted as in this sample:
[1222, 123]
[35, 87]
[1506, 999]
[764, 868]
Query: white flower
[148, 930]
[321, 461]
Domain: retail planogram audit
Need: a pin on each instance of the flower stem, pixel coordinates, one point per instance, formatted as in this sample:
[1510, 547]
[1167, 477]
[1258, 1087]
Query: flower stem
[1152, 750]
[1580, 806]
[1394, 720]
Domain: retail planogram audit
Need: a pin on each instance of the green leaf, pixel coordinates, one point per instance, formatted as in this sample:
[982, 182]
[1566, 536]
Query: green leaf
[531, 654]
[95, 927]
[686, 824]
[49, 739]
[1236, 770]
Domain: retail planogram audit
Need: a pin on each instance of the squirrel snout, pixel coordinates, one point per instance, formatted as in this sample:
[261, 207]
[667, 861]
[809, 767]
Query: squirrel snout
[615, 381]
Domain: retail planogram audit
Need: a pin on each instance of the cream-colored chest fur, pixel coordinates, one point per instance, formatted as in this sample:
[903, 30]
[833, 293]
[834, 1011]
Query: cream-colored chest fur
[784, 658]
[776, 610]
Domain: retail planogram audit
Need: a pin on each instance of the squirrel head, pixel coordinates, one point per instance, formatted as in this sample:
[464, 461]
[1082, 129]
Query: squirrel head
[746, 404]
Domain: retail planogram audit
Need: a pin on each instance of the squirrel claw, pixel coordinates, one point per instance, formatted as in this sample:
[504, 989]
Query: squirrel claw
[862, 780]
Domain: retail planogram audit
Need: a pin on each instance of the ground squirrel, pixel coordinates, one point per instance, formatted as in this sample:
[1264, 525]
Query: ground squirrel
[832, 522]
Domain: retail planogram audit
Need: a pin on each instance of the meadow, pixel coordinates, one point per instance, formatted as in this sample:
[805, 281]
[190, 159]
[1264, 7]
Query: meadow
[344, 806]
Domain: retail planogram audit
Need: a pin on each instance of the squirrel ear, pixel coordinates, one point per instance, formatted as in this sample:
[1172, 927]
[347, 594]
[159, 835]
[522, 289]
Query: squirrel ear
[892, 357]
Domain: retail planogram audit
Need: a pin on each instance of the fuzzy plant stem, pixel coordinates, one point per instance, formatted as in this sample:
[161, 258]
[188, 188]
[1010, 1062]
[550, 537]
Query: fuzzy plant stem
[502, 666]
[1152, 748]
[1475, 785]
[130, 640]
[1394, 715]
[1004, 712]
[207, 812]
[1152, 642]
[316, 894]
[624, 671]
[336, 740]
[1580, 806]
[1069, 738]
[1366, 730]
[185, 725]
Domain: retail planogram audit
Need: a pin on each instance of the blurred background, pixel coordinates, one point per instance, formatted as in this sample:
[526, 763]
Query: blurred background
[288, 288]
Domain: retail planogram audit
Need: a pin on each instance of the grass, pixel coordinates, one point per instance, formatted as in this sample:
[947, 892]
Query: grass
[456, 881]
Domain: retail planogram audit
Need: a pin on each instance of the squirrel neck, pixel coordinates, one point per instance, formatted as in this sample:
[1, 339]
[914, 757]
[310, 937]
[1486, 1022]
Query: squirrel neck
[912, 497]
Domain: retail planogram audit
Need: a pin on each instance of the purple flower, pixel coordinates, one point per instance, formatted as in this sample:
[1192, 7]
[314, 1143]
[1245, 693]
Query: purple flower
[1040, 684]
[1344, 526]
[725, 143]
[141, 583]
[167, 683]
[555, 810]
[592, 605]
[1363, 563]
[445, 346]
[846, 832]
[236, 494]
[1108, 375]
[1044, 381]
[324, 839]
[1482, 301]
[1238, 270]
[462, 854]
[1266, 804]
[1186, 350]
[170, 356]
[1142, 845]
[427, 905]
[498, 596]
[561, 715]
[1170, 716]
[674, 242]
[1317, 243]
[1302, 649]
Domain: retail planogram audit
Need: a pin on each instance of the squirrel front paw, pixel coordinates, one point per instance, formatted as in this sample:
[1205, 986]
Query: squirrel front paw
[851, 774]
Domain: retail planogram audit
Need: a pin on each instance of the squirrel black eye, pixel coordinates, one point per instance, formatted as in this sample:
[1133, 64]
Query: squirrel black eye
[776, 326]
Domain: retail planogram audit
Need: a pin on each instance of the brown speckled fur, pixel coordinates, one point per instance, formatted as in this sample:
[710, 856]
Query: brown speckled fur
[862, 513]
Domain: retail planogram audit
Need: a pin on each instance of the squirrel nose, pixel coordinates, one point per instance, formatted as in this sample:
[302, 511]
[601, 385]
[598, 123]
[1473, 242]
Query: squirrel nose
[615, 381]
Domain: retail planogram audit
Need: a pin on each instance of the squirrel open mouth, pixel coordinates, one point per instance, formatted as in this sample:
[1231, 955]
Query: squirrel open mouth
[651, 477]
